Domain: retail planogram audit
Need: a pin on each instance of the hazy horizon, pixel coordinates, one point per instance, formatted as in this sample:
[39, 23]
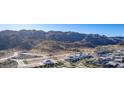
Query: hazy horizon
[102, 29]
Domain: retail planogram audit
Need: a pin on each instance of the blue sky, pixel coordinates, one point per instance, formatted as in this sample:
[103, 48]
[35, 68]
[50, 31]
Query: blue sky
[103, 29]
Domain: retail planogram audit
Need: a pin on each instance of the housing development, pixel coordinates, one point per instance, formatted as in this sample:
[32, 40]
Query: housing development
[89, 46]
[83, 59]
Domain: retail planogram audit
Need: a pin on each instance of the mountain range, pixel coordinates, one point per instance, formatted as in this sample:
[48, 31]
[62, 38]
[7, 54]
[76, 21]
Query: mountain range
[29, 39]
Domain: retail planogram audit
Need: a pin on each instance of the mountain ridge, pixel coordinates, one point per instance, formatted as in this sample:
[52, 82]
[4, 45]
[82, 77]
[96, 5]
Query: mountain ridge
[28, 39]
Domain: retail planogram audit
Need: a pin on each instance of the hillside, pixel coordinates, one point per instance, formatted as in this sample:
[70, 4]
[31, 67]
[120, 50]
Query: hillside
[52, 40]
